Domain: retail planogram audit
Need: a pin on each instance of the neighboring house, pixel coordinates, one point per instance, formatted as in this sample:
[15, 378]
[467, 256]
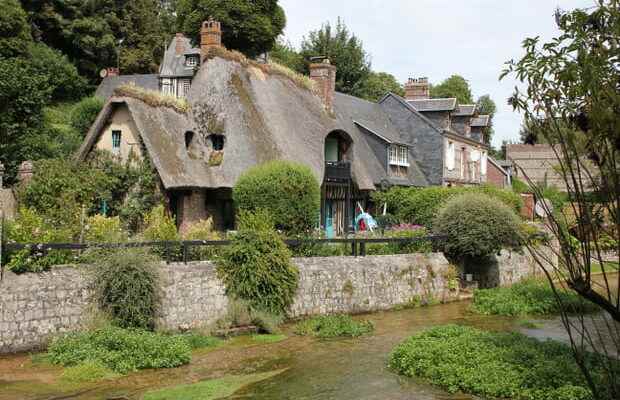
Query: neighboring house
[243, 113]
[497, 175]
[536, 163]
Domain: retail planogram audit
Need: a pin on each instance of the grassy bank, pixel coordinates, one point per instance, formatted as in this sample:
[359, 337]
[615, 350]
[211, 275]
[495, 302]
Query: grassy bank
[495, 365]
[529, 297]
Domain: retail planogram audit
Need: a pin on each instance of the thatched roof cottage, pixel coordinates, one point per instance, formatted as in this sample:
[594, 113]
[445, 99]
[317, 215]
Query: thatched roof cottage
[223, 114]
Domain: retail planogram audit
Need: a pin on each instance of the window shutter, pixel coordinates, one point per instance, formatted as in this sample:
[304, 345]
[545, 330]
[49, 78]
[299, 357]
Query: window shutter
[483, 164]
[450, 156]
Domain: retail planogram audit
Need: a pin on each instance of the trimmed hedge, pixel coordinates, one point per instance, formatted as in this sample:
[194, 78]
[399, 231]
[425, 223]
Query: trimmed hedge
[497, 365]
[476, 225]
[421, 206]
[288, 191]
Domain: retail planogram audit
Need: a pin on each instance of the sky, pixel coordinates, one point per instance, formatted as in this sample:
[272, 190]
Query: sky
[438, 38]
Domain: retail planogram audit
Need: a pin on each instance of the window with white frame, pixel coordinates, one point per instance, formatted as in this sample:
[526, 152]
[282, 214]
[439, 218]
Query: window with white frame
[191, 61]
[166, 86]
[116, 142]
[398, 155]
[185, 85]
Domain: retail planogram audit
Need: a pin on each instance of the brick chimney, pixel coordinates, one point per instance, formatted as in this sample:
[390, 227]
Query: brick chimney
[179, 45]
[324, 76]
[210, 36]
[25, 172]
[417, 89]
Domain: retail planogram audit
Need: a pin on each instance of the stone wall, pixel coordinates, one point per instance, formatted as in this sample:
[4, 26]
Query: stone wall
[36, 307]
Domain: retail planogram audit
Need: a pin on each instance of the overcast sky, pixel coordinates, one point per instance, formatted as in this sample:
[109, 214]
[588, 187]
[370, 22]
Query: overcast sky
[438, 38]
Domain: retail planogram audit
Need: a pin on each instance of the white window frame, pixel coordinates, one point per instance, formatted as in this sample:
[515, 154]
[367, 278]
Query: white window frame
[167, 86]
[191, 61]
[186, 84]
[398, 155]
[450, 156]
[116, 149]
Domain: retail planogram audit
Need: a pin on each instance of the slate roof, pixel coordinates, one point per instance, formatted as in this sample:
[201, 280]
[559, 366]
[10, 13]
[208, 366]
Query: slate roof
[480, 121]
[464, 110]
[173, 64]
[108, 84]
[428, 105]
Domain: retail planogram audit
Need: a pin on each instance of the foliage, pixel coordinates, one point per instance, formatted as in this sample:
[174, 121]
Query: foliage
[30, 227]
[153, 98]
[126, 287]
[269, 338]
[88, 371]
[528, 297]
[102, 229]
[285, 54]
[454, 86]
[377, 85]
[402, 231]
[344, 50]
[14, 29]
[197, 340]
[257, 267]
[84, 114]
[202, 230]
[287, 190]
[160, 227]
[558, 199]
[248, 26]
[420, 206]
[476, 225]
[211, 389]
[121, 350]
[331, 326]
[486, 106]
[64, 190]
[495, 365]
[518, 186]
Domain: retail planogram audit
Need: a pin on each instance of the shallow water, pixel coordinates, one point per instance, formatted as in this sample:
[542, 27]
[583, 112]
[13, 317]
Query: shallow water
[315, 369]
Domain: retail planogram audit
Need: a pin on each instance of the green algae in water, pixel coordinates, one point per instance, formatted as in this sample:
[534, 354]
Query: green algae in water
[211, 389]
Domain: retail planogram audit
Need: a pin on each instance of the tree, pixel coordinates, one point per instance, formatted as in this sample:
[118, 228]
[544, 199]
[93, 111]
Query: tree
[14, 29]
[284, 53]
[247, 25]
[572, 101]
[455, 86]
[486, 106]
[344, 50]
[378, 84]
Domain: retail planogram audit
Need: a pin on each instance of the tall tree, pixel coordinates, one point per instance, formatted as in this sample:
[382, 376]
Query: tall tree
[486, 106]
[454, 86]
[573, 101]
[14, 30]
[378, 84]
[344, 50]
[250, 26]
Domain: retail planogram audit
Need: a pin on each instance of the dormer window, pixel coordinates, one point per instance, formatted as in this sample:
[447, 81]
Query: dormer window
[398, 155]
[217, 142]
[191, 61]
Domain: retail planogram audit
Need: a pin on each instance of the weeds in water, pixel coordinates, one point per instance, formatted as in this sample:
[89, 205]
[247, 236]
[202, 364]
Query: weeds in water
[331, 326]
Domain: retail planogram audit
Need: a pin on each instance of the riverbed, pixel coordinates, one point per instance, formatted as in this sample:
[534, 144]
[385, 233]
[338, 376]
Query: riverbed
[344, 369]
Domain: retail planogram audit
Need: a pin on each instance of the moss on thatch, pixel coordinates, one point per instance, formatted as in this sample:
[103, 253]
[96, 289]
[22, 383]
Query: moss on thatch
[216, 158]
[271, 68]
[152, 98]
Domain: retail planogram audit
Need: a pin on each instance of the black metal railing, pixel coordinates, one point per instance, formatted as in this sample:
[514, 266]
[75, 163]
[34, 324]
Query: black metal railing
[337, 171]
[180, 250]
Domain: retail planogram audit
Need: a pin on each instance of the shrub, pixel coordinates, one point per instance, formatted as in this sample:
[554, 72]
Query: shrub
[421, 206]
[84, 113]
[121, 350]
[289, 191]
[30, 227]
[330, 326]
[529, 297]
[257, 266]
[240, 314]
[101, 229]
[476, 225]
[160, 226]
[518, 186]
[496, 365]
[125, 284]
[558, 199]
[202, 230]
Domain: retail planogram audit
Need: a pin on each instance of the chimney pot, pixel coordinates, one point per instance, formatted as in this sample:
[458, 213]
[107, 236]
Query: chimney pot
[210, 36]
[324, 76]
[417, 89]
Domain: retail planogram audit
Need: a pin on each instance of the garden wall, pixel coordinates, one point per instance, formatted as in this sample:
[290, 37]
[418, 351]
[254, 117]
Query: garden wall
[35, 307]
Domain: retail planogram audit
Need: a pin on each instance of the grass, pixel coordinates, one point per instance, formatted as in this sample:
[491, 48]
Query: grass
[332, 326]
[89, 371]
[152, 97]
[610, 267]
[211, 389]
[269, 338]
[496, 365]
[528, 297]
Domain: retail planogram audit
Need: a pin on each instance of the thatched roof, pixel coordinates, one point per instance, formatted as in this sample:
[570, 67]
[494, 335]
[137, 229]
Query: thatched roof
[105, 90]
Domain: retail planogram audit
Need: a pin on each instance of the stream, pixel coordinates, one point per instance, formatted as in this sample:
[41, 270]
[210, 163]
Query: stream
[344, 369]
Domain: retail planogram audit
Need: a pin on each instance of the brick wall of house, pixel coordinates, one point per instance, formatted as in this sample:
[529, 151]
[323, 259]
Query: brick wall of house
[496, 176]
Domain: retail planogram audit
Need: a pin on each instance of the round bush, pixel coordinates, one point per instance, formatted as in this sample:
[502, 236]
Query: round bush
[126, 288]
[288, 191]
[257, 266]
[476, 225]
[84, 114]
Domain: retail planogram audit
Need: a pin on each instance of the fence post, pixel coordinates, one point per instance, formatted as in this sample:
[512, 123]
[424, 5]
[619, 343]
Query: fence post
[184, 253]
[353, 248]
[167, 251]
[362, 249]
